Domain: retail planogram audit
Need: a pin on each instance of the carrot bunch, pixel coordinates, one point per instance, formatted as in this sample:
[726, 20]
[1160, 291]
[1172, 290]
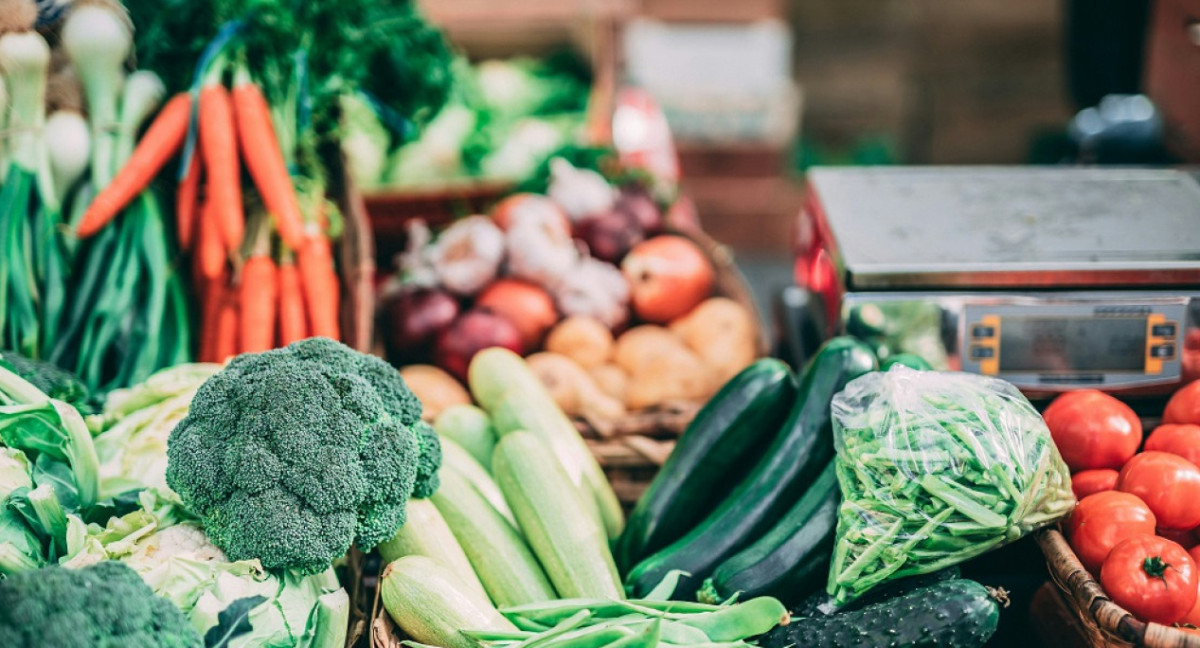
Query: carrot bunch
[260, 286]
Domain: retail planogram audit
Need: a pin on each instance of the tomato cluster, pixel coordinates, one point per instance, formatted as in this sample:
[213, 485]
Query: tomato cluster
[1137, 524]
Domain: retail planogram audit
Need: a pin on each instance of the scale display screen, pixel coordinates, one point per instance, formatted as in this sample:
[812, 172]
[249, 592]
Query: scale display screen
[1054, 344]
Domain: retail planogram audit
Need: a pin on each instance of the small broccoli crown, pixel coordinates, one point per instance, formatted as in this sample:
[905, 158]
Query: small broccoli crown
[431, 460]
[103, 606]
[290, 456]
[52, 381]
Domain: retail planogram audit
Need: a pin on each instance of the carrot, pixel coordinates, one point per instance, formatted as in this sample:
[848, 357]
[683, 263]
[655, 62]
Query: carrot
[225, 342]
[292, 319]
[161, 141]
[219, 143]
[320, 282]
[185, 202]
[259, 294]
[212, 291]
[264, 160]
[210, 253]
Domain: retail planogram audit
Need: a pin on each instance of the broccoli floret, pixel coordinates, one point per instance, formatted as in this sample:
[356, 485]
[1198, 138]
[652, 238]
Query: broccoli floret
[103, 606]
[431, 459]
[292, 455]
[52, 381]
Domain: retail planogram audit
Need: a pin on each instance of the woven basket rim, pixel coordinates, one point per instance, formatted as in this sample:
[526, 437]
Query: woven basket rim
[1093, 606]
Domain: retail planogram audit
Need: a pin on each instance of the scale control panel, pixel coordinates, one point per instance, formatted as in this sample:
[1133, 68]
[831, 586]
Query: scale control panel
[1103, 345]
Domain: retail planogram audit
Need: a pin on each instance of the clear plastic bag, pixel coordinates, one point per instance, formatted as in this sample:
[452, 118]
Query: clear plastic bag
[936, 468]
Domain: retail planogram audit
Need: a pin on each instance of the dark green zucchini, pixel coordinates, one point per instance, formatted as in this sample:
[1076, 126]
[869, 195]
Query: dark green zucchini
[730, 432]
[956, 613]
[792, 559]
[790, 465]
[910, 360]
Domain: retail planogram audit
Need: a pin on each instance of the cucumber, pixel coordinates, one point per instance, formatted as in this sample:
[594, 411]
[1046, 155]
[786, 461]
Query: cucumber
[469, 427]
[730, 431]
[821, 604]
[955, 613]
[790, 465]
[430, 604]
[500, 556]
[460, 461]
[426, 533]
[910, 360]
[793, 558]
[517, 400]
[565, 537]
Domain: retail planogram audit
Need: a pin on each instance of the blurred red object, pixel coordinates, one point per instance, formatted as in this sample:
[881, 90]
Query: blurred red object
[1172, 75]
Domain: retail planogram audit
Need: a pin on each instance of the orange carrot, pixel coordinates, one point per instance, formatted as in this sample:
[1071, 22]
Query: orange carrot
[210, 253]
[219, 143]
[225, 342]
[259, 292]
[320, 282]
[264, 160]
[161, 141]
[292, 324]
[185, 202]
[211, 291]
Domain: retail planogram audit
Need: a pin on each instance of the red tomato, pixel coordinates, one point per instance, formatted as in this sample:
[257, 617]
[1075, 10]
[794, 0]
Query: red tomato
[527, 306]
[1102, 520]
[1168, 484]
[1184, 406]
[1087, 482]
[1181, 439]
[1153, 578]
[1093, 430]
[1185, 539]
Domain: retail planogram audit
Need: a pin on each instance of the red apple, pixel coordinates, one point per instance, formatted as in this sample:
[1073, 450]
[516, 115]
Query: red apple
[472, 332]
[527, 306]
[668, 275]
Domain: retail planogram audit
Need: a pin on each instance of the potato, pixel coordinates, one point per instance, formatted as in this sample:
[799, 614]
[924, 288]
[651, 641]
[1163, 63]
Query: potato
[573, 388]
[435, 388]
[721, 331]
[611, 380]
[677, 375]
[645, 345]
[582, 339]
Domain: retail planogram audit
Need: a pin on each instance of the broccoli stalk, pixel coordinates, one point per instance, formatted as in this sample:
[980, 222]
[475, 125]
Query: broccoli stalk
[106, 606]
[292, 455]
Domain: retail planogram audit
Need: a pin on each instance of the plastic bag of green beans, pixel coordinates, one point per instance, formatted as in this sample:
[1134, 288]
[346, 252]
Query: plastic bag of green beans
[936, 468]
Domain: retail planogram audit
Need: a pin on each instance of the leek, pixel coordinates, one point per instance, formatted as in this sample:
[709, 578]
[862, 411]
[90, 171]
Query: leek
[98, 39]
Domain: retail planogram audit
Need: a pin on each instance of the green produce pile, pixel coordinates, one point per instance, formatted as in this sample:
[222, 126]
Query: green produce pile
[936, 468]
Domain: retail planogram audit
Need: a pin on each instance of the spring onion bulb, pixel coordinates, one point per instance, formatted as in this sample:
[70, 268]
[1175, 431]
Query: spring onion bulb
[68, 145]
[144, 92]
[98, 39]
[24, 59]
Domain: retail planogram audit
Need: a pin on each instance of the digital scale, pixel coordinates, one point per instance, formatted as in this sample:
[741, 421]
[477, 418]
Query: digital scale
[1052, 278]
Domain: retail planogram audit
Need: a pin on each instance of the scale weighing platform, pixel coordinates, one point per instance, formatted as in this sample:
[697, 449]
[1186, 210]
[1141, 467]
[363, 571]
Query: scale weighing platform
[1052, 278]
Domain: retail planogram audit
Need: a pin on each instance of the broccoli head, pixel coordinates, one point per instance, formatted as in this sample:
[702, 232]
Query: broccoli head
[52, 381]
[292, 455]
[103, 606]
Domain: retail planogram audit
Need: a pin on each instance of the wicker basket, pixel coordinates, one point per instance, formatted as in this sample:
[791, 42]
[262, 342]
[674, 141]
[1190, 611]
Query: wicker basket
[1103, 622]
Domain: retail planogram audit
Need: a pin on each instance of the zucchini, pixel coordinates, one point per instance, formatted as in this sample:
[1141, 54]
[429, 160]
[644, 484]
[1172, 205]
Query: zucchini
[460, 461]
[517, 400]
[469, 427]
[507, 568]
[793, 558]
[910, 360]
[956, 613]
[790, 465]
[567, 540]
[821, 603]
[729, 432]
[425, 533]
[430, 605]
